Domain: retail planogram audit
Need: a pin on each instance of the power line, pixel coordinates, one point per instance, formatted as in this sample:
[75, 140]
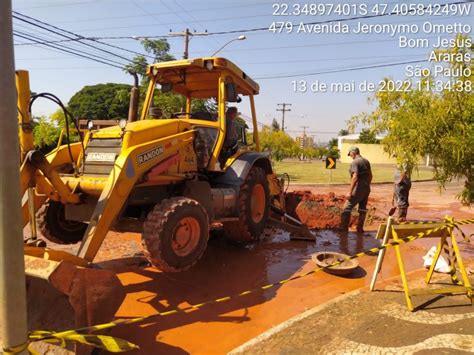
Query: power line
[59, 5]
[77, 38]
[46, 48]
[219, 19]
[304, 129]
[339, 70]
[249, 120]
[315, 45]
[392, 13]
[187, 35]
[95, 39]
[200, 9]
[80, 38]
[28, 19]
[70, 52]
[196, 20]
[229, 32]
[315, 132]
[332, 59]
[146, 12]
[39, 39]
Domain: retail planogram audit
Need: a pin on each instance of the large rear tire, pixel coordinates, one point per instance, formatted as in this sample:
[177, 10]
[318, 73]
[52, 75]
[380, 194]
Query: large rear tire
[53, 225]
[254, 206]
[175, 234]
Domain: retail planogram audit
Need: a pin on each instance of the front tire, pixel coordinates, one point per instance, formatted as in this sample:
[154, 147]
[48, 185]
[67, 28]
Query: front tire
[254, 206]
[53, 224]
[175, 234]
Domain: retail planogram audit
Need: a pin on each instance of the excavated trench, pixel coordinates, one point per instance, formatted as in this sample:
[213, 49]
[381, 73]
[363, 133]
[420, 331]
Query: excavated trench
[317, 211]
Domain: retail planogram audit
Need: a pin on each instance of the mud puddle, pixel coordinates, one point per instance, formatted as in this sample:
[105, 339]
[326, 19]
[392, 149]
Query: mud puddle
[225, 269]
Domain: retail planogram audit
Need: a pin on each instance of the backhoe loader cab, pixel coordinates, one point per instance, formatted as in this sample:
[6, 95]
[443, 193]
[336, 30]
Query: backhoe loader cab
[174, 175]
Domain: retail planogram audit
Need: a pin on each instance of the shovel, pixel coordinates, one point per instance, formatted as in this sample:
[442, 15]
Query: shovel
[299, 232]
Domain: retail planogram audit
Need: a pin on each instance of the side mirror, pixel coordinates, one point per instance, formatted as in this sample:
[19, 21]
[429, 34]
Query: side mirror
[166, 87]
[231, 92]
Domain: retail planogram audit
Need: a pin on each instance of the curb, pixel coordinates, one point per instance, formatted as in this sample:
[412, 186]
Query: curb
[289, 322]
[286, 324]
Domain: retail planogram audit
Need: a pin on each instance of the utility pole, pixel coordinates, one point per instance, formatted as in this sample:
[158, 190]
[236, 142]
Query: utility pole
[187, 37]
[12, 264]
[303, 140]
[283, 110]
[304, 130]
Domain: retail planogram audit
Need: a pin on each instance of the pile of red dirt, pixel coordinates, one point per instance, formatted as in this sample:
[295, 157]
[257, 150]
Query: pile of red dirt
[321, 211]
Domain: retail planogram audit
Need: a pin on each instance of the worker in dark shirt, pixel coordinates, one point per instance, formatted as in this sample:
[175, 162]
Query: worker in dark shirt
[231, 136]
[402, 190]
[361, 177]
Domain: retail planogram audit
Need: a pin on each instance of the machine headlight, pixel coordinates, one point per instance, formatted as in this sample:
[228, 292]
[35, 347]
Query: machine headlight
[122, 123]
[209, 65]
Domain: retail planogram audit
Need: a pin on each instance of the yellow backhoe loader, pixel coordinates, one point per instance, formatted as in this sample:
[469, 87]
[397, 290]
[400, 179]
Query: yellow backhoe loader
[175, 174]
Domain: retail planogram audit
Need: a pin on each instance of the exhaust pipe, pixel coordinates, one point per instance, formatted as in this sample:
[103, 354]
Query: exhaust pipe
[134, 97]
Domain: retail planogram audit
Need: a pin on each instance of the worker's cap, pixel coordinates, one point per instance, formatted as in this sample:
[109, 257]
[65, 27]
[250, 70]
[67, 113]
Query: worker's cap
[353, 149]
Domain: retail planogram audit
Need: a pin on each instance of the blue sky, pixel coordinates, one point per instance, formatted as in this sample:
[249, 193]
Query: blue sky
[261, 54]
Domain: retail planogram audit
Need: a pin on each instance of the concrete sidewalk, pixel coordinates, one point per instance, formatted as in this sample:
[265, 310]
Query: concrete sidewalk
[377, 322]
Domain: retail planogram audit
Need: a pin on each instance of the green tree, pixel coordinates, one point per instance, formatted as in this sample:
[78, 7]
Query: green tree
[310, 153]
[158, 49]
[432, 120]
[209, 105]
[279, 143]
[321, 152]
[367, 136]
[332, 143]
[169, 103]
[45, 134]
[332, 150]
[46, 131]
[343, 132]
[333, 153]
[101, 101]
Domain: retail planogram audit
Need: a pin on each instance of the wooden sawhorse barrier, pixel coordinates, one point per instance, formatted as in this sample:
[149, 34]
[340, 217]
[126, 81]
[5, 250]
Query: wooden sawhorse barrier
[447, 243]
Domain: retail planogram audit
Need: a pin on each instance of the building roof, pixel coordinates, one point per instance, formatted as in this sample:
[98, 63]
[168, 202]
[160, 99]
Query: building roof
[354, 137]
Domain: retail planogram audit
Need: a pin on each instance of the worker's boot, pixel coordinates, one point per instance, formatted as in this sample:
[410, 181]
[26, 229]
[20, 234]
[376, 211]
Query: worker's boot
[361, 221]
[345, 220]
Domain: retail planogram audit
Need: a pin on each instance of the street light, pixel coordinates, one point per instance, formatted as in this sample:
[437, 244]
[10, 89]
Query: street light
[240, 38]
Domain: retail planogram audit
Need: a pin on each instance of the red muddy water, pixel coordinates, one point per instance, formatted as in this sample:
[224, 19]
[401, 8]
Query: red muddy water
[126, 287]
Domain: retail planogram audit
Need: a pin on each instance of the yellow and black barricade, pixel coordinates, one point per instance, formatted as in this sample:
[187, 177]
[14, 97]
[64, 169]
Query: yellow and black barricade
[447, 243]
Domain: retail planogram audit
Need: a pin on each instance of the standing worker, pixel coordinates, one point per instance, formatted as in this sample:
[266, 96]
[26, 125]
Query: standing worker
[361, 177]
[401, 191]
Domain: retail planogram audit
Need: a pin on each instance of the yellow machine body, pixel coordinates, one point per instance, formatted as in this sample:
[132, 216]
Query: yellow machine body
[112, 165]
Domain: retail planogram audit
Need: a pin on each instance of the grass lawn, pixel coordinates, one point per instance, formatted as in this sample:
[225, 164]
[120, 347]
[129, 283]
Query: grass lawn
[315, 172]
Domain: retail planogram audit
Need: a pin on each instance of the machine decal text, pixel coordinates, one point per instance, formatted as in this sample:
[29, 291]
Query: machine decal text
[149, 155]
